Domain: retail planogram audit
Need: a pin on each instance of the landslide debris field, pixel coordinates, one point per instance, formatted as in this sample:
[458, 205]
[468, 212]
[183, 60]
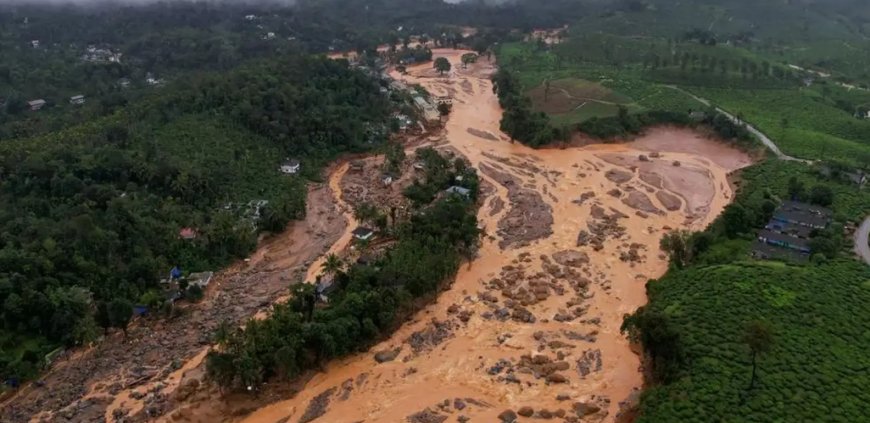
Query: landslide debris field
[530, 328]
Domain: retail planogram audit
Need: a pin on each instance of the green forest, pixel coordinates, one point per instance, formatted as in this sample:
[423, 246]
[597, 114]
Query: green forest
[91, 215]
[373, 298]
[171, 161]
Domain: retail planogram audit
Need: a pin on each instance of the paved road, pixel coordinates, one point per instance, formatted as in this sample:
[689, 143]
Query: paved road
[861, 239]
[863, 233]
[764, 138]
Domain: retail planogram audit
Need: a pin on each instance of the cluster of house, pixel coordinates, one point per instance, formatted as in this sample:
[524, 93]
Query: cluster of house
[172, 291]
[78, 100]
[100, 55]
[38, 104]
[787, 235]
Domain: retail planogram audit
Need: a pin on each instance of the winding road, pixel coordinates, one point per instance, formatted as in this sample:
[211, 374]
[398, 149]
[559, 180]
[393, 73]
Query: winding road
[760, 135]
[861, 235]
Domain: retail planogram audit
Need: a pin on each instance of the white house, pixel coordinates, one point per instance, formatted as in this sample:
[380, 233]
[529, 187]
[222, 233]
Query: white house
[290, 167]
[35, 43]
[200, 279]
[152, 80]
[457, 190]
[387, 180]
[269, 36]
[36, 104]
[77, 100]
[363, 234]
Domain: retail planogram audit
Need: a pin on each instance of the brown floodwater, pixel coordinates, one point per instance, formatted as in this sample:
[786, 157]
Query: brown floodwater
[689, 166]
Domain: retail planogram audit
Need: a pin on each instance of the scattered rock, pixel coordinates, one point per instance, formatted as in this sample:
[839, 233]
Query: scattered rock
[571, 258]
[318, 406]
[387, 355]
[670, 201]
[584, 409]
[557, 378]
[639, 201]
[507, 416]
[526, 411]
[426, 416]
[618, 176]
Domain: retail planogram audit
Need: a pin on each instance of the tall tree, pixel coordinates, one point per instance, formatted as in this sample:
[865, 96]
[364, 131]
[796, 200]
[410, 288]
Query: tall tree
[442, 65]
[332, 265]
[758, 336]
[120, 312]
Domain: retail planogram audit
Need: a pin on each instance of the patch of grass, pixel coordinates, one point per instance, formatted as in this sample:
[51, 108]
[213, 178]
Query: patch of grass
[803, 123]
[811, 374]
[575, 100]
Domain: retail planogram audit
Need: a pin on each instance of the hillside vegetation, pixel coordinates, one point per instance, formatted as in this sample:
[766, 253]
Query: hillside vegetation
[811, 370]
[738, 57]
[91, 215]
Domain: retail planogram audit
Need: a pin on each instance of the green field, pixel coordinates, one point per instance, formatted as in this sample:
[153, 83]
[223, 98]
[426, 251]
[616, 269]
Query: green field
[602, 88]
[574, 100]
[817, 313]
[606, 71]
[803, 122]
[813, 372]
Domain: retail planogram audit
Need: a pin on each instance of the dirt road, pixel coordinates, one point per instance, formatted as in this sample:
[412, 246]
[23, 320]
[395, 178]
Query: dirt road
[115, 376]
[531, 326]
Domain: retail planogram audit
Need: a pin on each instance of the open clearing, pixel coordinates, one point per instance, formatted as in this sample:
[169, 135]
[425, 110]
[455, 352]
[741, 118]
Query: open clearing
[574, 100]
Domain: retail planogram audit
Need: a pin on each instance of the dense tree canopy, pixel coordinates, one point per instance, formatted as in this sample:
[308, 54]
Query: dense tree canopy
[91, 216]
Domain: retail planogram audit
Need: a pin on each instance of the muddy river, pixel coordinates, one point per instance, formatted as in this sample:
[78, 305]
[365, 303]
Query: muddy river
[532, 324]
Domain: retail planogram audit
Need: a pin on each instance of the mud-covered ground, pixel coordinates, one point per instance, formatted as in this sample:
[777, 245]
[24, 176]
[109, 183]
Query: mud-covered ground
[530, 328]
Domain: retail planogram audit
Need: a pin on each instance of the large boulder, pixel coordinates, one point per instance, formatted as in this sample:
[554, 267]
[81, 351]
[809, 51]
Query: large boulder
[387, 355]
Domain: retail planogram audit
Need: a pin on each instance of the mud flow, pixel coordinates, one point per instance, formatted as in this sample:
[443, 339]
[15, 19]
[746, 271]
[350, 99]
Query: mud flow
[530, 327]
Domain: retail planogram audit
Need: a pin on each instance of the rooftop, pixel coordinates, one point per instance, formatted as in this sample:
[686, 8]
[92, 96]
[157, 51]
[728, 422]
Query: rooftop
[789, 229]
[362, 231]
[459, 190]
[784, 239]
[804, 207]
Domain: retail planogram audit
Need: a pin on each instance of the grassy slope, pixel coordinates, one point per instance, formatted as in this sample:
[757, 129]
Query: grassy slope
[813, 373]
[818, 313]
[813, 128]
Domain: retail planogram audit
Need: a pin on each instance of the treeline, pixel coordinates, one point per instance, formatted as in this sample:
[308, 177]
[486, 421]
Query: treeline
[626, 124]
[371, 300]
[519, 121]
[722, 330]
[91, 216]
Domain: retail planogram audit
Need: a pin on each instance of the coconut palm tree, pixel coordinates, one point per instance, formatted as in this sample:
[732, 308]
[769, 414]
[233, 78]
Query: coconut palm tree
[332, 265]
